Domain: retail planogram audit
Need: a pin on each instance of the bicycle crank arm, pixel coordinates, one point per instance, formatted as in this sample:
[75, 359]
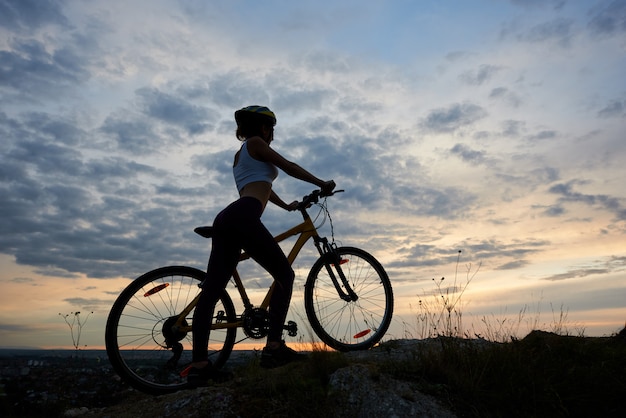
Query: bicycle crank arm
[177, 350]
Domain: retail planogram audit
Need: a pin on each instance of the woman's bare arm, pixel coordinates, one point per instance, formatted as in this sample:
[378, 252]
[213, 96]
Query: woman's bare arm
[275, 199]
[261, 151]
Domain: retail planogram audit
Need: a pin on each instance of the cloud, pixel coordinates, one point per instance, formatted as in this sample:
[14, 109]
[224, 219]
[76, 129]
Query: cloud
[117, 129]
[157, 119]
[517, 251]
[494, 248]
[303, 99]
[175, 111]
[542, 135]
[67, 214]
[77, 202]
[326, 62]
[31, 72]
[513, 128]
[452, 118]
[376, 179]
[578, 273]
[236, 88]
[607, 202]
[25, 280]
[424, 255]
[88, 303]
[132, 134]
[513, 265]
[26, 15]
[556, 4]
[47, 156]
[558, 30]
[483, 74]
[505, 95]
[598, 267]
[554, 210]
[14, 328]
[468, 155]
[613, 109]
[608, 19]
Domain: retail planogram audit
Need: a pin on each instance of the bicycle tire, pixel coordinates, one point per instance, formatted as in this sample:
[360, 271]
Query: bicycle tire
[134, 338]
[349, 325]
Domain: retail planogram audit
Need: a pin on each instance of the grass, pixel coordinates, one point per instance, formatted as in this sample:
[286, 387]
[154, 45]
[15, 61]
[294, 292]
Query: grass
[299, 390]
[439, 313]
[541, 375]
[491, 373]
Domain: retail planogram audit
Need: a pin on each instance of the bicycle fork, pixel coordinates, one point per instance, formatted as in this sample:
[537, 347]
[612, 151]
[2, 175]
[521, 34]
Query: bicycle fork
[329, 252]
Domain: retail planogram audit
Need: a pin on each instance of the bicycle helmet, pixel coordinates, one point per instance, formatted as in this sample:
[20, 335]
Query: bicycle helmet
[255, 112]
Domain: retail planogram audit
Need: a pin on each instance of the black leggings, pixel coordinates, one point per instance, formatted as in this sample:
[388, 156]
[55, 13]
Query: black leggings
[235, 228]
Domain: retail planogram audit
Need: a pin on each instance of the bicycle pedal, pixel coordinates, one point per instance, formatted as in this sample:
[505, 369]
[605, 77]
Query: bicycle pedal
[291, 328]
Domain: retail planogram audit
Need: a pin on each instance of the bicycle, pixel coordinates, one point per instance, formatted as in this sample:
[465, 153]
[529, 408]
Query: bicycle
[348, 302]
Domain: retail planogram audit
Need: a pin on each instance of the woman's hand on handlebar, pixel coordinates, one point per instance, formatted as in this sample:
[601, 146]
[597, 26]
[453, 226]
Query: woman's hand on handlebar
[293, 206]
[327, 188]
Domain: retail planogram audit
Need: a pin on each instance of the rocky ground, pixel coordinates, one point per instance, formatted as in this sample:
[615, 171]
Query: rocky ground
[543, 374]
[87, 387]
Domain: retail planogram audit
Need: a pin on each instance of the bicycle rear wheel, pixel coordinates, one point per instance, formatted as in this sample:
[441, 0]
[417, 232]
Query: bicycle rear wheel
[349, 325]
[142, 345]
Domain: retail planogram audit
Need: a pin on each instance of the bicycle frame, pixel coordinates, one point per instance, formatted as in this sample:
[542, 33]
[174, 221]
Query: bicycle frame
[306, 230]
[146, 339]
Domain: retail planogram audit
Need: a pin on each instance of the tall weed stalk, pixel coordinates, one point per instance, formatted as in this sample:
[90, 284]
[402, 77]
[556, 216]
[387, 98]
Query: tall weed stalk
[439, 312]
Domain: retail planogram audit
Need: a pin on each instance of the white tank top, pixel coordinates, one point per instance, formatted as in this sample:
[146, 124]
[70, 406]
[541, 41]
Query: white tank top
[248, 170]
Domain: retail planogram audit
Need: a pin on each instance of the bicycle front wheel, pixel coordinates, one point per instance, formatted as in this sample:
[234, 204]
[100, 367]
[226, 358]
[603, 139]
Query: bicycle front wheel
[347, 325]
[145, 347]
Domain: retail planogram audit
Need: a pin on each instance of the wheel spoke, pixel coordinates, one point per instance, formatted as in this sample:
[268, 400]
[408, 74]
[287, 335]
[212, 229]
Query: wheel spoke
[139, 334]
[347, 325]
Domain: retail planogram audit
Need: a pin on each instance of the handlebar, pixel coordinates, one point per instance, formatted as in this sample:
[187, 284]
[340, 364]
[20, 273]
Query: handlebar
[314, 197]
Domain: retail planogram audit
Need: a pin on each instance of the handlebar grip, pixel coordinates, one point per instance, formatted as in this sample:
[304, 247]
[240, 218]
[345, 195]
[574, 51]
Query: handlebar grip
[314, 196]
[330, 193]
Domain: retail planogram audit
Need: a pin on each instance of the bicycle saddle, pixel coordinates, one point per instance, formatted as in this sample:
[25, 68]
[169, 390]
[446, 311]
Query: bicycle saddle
[205, 231]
